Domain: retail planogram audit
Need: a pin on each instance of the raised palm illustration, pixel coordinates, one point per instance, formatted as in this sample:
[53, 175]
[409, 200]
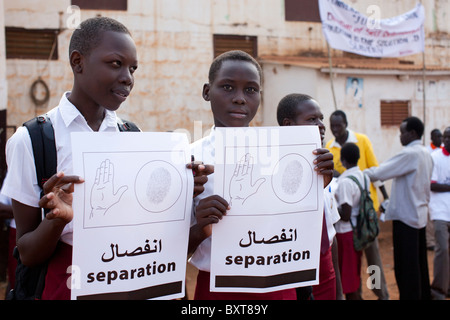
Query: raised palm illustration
[241, 183]
[103, 194]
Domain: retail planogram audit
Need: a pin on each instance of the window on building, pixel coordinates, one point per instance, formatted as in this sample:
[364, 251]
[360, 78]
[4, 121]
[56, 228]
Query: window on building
[23, 43]
[305, 10]
[101, 4]
[223, 43]
[393, 112]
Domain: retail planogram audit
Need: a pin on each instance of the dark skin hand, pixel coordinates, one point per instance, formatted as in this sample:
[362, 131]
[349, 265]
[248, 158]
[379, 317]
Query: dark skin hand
[200, 172]
[345, 211]
[324, 164]
[208, 211]
[36, 239]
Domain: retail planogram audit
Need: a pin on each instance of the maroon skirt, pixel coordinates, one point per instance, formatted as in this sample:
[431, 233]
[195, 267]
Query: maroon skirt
[56, 287]
[349, 262]
[326, 289]
[202, 292]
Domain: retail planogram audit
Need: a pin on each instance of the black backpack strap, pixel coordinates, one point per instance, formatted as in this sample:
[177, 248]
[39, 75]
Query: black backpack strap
[125, 125]
[30, 282]
[44, 148]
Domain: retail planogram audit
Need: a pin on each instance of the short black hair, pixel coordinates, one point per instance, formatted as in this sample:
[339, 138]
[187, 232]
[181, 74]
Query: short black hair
[414, 124]
[350, 153]
[340, 113]
[231, 55]
[287, 106]
[90, 32]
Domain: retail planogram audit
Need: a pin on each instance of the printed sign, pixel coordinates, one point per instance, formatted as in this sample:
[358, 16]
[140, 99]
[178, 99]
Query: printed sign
[131, 215]
[270, 238]
[347, 29]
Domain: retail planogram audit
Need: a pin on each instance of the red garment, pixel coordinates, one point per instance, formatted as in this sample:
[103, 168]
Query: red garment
[202, 292]
[12, 262]
[56, 279]
[326, 289]
[349, 262]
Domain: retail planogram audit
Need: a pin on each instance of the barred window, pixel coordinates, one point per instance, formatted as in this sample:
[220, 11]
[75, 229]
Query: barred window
[393, 112]
[223, 43]
[23, 43]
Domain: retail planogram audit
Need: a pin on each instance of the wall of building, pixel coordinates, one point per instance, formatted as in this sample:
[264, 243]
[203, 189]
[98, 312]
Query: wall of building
[284, 79]
[174, 41]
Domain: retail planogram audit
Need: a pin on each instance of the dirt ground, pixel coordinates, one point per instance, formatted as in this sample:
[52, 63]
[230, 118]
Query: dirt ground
[386, 252]
[387, 257]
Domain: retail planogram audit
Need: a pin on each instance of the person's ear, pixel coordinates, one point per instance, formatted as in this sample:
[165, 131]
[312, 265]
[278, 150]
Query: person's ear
[76, 61]
[286, 122]
[205, 92]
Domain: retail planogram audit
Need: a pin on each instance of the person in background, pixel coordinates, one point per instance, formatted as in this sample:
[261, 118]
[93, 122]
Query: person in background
[298, 110]
[411, 171]
[367, 159]
[436, 140]
[440, 215]
[435, 144]
[348, 198]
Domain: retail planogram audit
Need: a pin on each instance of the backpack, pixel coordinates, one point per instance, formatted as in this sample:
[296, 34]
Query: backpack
[366, 229]
[30, 281]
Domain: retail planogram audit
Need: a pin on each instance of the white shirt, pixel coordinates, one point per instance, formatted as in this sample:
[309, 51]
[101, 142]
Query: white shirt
[330, 207]
[348, 192]
[21, 183]
[203, 150]
[411, 171]
[351, 138]
[440, 201]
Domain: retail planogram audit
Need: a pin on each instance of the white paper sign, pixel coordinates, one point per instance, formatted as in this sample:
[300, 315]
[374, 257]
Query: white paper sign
[131, 215]
[349, 30]
[270, 238]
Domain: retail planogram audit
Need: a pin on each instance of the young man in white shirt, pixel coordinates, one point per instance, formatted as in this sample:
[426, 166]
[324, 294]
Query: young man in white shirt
[411, 171]
[440, 215]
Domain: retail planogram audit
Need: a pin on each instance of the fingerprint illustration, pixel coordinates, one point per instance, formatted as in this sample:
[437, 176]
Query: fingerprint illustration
[292, 177]
[158, 185]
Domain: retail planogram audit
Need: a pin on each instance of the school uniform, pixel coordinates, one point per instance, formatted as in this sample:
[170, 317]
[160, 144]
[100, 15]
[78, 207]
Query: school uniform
[326, 289]
[204, 150]
[348, 192]
[440, 215]
[431, 147]
[21, 183]
[366, 160]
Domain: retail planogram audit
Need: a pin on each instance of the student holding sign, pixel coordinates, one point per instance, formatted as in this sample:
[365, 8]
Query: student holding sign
[103, 59]
[299, 110]
[234, 93]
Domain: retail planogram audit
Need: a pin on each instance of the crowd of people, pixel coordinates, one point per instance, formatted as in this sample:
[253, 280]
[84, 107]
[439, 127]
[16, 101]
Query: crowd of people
[103, 59]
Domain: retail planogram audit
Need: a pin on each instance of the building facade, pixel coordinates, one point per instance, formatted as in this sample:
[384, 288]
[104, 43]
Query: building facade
[177, 40]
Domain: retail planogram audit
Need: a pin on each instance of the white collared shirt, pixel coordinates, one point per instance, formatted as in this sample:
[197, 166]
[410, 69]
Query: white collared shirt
[20, 182]
[348, 192]
[411, 172]
[203, 150]
[351, 138]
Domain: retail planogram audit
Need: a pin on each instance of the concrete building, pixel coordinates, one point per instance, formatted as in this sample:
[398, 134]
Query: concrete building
[177, 40]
